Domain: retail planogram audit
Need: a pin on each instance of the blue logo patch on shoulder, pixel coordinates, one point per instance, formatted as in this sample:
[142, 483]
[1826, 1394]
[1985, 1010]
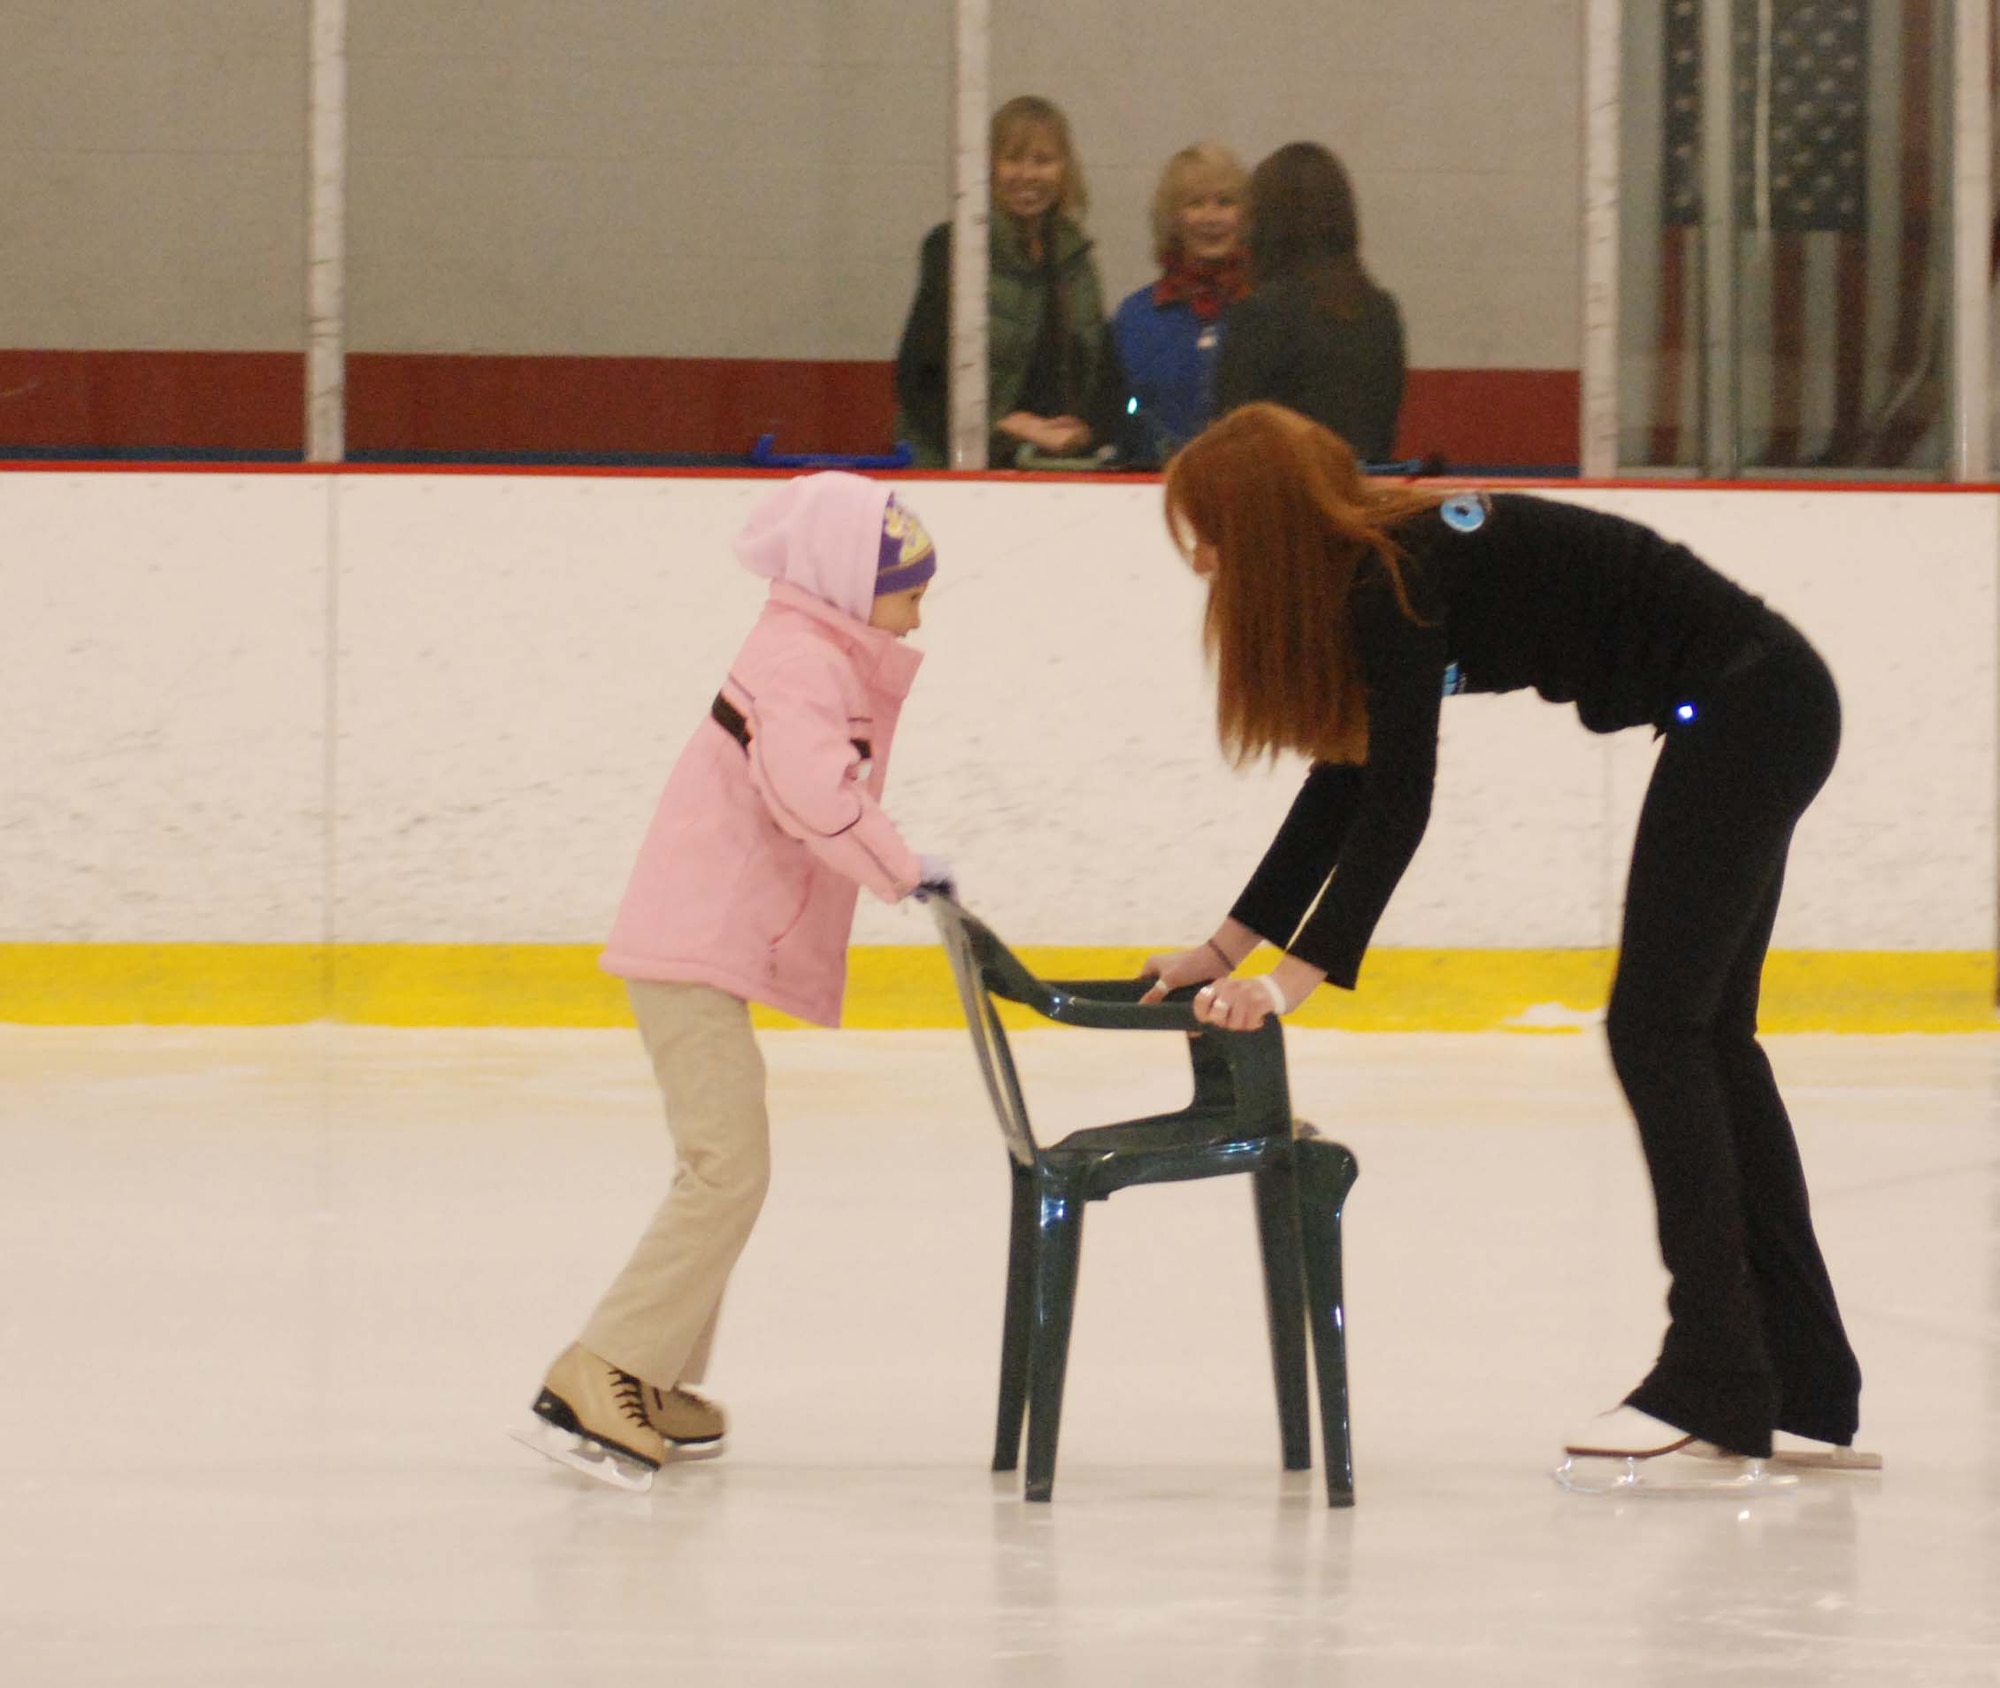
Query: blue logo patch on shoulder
[1464, 512]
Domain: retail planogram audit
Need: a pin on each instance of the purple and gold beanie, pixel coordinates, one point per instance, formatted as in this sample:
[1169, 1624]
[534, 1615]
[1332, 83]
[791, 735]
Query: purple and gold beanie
[907, 558]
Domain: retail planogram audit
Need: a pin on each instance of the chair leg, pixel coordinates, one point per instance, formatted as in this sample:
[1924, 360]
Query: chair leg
[1284, 1308]
[1016, 1322]
[1058, 1248]
[1326, 1173]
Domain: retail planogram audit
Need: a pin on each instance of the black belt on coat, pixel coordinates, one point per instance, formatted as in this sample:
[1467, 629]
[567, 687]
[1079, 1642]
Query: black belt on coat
[730, 719]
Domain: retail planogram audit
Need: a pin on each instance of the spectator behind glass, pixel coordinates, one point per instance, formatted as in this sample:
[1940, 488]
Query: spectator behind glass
[1316, 334]
[1169, 332]
[1052, 384]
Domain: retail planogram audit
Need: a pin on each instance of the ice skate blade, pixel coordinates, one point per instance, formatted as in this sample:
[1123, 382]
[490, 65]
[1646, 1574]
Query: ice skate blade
[1854, 1460]
[579, 1453]
[1669, 1474]
[1825, 1457]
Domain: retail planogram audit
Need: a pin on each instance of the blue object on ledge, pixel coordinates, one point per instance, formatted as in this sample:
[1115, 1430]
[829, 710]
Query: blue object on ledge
[765, 455]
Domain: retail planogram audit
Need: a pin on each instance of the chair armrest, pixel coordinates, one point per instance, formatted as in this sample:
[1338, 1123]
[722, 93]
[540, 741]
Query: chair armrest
[1090, 1003]
[1112, 1005]
[1103, 990]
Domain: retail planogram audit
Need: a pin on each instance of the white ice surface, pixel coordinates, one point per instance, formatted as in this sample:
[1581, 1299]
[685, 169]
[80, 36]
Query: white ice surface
[274, 1298]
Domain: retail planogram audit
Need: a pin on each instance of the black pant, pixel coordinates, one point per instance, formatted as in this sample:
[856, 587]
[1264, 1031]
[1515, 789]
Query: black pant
[1754, 1339]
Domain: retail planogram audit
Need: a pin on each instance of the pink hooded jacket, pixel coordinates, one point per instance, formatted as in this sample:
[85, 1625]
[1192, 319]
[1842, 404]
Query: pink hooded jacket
[748, 877]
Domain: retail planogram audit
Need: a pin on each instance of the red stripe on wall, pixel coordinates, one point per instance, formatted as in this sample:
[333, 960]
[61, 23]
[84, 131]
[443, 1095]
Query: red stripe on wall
[152, 401]
[408, 402]
[404, 402]
[1517, 418]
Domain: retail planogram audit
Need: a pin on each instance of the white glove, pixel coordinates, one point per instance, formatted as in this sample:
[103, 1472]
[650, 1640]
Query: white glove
[935, 879]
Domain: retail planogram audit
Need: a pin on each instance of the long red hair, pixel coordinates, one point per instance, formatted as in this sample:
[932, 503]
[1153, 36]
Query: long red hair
[1291, 518]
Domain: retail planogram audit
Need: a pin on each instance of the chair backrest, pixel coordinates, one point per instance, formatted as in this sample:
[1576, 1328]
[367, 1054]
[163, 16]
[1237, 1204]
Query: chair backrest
[984, 968]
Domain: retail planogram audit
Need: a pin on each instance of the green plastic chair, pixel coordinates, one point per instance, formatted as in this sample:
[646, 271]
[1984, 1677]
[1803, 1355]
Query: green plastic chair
[1239, 1120]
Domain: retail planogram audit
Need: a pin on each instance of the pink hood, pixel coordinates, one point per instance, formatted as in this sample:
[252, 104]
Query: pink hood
[823, 534]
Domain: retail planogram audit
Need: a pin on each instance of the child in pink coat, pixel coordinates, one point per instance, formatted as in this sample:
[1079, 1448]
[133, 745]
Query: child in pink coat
[744, 892]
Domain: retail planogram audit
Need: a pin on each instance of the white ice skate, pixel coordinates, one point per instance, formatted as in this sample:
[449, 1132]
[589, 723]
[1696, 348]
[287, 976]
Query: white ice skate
[1627, 1452]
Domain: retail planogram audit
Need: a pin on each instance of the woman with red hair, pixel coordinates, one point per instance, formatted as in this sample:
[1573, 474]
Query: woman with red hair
[1341, 612]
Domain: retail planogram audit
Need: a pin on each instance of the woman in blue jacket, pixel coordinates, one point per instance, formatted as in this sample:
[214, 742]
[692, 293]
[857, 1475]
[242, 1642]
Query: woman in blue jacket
[1170, 331]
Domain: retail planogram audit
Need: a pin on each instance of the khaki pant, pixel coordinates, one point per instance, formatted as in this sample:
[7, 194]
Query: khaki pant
[658, 1318]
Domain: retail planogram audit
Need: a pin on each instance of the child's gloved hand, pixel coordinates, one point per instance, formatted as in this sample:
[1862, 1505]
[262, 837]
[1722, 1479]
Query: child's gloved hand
[1176, 968]
[935, 879]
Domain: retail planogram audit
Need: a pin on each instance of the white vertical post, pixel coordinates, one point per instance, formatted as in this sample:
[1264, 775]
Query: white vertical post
[1603, 110]
[971, 206]
[1718, 237]
[1971, 223]
[326, 234]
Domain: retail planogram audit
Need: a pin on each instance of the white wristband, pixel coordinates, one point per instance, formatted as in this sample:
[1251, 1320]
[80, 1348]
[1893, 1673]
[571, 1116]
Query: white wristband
[1272, 990]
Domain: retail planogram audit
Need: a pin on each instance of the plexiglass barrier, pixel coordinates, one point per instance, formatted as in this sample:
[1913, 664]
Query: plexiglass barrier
[1825, 342]
[706, 233]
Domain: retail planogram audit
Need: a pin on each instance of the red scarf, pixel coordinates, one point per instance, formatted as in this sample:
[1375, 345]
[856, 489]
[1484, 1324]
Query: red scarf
[1207, 286]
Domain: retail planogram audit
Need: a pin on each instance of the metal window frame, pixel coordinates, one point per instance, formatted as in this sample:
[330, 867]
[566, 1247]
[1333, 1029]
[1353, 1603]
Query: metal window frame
[326, 233]
[971, 209]
[1971, 223]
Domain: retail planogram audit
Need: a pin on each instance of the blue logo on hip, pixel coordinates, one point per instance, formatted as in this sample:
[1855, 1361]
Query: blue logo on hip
[1464, 512]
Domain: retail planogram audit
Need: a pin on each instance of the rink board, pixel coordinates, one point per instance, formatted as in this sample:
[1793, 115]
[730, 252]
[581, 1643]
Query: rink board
[363, 744]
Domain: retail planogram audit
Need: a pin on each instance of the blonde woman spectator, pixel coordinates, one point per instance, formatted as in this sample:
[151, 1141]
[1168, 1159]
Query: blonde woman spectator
[1170, 331]
[1051, 382]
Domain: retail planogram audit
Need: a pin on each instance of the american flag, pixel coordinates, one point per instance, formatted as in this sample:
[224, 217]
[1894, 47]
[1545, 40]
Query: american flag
[1807, 75]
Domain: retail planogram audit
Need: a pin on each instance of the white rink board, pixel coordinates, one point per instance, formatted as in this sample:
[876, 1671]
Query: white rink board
[519, 658]
[162, 707]
[1898, 593]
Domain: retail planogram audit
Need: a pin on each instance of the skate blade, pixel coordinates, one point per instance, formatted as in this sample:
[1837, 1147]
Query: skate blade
[1829, 1458]
[1670, 1474]
[579, 1453]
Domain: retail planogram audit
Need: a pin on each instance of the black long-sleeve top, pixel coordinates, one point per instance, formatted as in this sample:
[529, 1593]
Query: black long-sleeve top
[1346, 373]
[1513, 591]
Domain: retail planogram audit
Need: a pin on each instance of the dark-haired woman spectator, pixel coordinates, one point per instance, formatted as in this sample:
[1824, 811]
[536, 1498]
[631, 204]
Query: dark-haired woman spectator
[1316, 334]
[1051, 383]
[1169, 332]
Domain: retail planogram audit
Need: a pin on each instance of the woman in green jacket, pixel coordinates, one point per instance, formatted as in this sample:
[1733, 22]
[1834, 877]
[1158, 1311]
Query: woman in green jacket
[1053, 387]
